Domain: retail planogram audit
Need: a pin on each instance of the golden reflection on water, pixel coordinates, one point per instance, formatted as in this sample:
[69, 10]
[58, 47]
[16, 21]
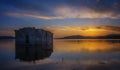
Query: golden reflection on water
[86, 45]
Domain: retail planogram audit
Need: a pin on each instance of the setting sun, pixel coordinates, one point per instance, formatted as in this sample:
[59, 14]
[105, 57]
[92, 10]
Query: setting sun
[94, 32]
[83, 31]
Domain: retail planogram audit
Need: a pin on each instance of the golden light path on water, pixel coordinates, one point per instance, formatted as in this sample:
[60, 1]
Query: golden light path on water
[87, 45]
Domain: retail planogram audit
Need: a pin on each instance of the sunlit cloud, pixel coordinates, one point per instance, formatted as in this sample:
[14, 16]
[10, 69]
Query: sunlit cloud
[83, 12]
[32, 15]
[113, 28]
[64, 12]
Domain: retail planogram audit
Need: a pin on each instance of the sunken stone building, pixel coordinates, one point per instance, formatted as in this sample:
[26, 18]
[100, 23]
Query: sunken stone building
[32, 36]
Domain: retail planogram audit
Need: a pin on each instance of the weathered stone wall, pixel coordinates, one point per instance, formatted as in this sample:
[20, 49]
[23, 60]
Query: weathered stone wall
[33, 36]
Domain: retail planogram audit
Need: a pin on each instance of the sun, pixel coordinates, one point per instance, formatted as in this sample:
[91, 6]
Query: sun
[92, 29]
[93, 32]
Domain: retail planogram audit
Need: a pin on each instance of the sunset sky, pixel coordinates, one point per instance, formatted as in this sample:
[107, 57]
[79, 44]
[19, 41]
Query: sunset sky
[62, 17]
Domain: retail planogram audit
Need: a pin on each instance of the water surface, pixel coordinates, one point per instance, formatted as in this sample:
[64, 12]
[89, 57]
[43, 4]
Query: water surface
[72, 54]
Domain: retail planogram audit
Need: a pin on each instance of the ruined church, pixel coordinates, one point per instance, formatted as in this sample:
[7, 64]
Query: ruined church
[33, 36]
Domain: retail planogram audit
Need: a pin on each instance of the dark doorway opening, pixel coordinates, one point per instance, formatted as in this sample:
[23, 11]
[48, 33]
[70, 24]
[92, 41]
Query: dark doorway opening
[27, 39]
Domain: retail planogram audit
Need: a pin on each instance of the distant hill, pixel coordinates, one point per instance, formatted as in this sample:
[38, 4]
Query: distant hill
[7, 37]
[110, 36]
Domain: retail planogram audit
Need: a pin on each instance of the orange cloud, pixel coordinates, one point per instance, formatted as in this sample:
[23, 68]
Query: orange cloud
[113, 28]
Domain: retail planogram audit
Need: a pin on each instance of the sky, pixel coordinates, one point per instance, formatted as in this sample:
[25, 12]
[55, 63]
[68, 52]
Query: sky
[62, 17]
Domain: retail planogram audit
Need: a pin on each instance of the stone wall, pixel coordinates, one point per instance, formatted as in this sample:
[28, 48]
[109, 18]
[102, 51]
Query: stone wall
[32, 36]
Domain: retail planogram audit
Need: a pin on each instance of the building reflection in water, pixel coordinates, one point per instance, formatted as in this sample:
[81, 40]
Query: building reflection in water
[33, 44]
[33, 52]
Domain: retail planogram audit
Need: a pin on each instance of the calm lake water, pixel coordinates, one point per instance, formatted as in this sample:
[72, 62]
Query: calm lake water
[66, 55]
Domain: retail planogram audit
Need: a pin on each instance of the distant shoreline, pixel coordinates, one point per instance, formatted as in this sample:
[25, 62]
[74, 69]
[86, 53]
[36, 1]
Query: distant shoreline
[110, 36]
[85, 39]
